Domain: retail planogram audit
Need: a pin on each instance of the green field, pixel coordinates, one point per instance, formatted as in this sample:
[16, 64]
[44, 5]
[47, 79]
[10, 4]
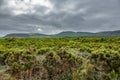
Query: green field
[60, 58]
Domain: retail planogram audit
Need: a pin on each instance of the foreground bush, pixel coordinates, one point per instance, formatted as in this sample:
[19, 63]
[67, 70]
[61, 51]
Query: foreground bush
[20, 63]
[61, 65]
[106, 65]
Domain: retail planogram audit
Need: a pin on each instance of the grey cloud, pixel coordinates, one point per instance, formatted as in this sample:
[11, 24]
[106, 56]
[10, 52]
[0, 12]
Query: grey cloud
[74, 15]
[40, 8]
[1, 2]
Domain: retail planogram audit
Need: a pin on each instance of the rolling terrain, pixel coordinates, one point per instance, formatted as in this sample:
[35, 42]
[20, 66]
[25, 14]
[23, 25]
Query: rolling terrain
[66, 34]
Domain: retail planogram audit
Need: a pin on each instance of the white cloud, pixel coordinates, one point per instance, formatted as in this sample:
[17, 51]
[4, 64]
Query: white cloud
[27, 6]
[39, 29]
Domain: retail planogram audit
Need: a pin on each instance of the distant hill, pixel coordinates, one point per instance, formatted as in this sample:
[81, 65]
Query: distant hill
[73, 34]
[109, 33]
[18, 35]
[65, 34]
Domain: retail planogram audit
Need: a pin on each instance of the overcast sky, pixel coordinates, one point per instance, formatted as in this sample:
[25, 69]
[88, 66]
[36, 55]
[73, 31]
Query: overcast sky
[54, 16]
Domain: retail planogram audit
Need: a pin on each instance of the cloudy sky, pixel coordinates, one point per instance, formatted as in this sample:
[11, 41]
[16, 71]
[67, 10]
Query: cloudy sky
[54, 16]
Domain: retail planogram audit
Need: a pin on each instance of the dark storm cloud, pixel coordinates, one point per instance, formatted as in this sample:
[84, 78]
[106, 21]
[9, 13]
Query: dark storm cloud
[88, 15]
[60, 15]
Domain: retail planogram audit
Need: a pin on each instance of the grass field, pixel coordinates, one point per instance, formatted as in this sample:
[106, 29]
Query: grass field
[60, 58]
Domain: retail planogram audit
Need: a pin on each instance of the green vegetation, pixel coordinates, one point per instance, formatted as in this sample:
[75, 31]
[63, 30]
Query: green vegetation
[60, 58]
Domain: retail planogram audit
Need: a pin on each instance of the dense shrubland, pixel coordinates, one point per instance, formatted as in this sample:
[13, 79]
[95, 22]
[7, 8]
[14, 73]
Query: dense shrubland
[60, 59]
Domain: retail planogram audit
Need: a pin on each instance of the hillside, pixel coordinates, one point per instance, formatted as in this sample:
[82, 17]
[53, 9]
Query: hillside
[109, 33]
[66, 34]
[26, 35]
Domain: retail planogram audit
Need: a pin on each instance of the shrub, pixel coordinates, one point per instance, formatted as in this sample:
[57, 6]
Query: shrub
[60, 65]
